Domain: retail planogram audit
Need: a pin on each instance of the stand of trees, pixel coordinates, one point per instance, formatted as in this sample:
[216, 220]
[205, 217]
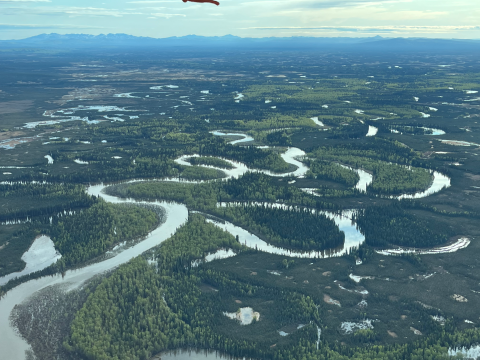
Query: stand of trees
[293, 228]
[14, 241]
[395, 179]
[194, 241]
[143, 309]
[350, 131]
[251, 156]
[387, 160]
[332, 171]
[22, 200]
[210, 161]
[201, 173]
[374, 148]
[280, 138]
[392, 225]
[126, 318]
[251, 186]
[92, 232]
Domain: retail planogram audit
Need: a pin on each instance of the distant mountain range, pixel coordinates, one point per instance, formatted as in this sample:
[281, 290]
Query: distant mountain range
[116, 41]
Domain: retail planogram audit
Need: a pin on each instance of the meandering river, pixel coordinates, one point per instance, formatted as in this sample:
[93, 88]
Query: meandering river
[14, 347]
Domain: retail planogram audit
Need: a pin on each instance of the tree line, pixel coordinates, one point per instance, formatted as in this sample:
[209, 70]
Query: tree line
[289, 228]
[392, 225]
[92, 232]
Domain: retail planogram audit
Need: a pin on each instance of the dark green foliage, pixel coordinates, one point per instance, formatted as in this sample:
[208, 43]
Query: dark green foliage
[41, 199]
[349, 131]
[375, 148]
[140, 311]
[385, 159]
[91, 232]
[293, 228]
[194, 242]
[395, 179]
[201, 173]
[126, 318]
[280, 138]
[251, 156]
[251, 186]
[332, 171]
[211, 161]
[365, 336]
[384, 225]
[254, 186]
[15, 240]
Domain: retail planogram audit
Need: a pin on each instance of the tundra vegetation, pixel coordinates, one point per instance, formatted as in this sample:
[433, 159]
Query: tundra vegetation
[174, 295]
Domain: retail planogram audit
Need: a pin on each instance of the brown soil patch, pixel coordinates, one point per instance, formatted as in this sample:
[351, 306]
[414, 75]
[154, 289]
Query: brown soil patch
[330, 301]
[253, 273]
[403, 317]
[10, 134]
[392, 334]
[238, 301]
[11, 143]
[327, 273]
[93, 93]
[9, 107]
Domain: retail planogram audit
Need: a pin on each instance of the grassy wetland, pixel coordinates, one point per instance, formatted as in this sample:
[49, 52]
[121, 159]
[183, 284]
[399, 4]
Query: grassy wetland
[137, 169]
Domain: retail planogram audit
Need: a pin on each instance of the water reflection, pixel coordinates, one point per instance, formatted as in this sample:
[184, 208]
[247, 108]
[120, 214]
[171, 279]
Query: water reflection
[353, 237]
[195, 355]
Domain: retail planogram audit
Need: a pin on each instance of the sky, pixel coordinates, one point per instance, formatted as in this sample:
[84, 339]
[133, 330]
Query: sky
[246, 18]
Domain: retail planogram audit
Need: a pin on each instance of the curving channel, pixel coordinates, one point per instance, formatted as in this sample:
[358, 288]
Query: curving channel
[439, 182]
[14, 347]
[353, 237]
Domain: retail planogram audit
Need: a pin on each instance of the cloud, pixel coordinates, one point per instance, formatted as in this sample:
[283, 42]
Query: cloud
[45, 26]
[324, 4]
[376, 29]
[69, 11]
[320, 4]
[152, 1]
[166, 16]
[23, 1]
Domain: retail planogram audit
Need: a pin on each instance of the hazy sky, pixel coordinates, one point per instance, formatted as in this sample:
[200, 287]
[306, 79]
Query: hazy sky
[246, 18]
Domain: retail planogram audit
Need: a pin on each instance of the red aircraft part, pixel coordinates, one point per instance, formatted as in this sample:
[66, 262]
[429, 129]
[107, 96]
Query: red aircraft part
[204, 1]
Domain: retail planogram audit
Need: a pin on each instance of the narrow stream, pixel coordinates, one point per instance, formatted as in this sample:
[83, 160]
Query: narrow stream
[439, 182]
[239, 169]
[365, 178]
